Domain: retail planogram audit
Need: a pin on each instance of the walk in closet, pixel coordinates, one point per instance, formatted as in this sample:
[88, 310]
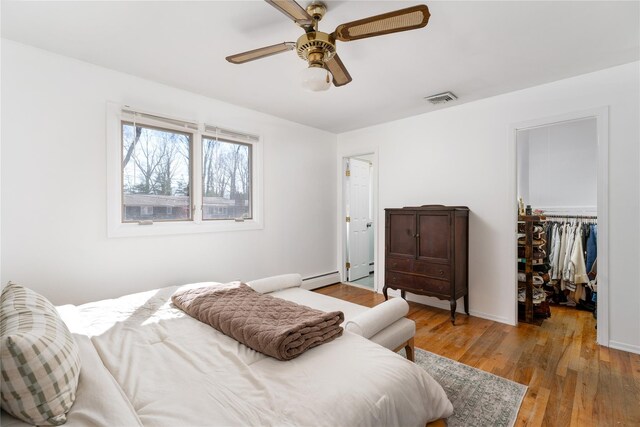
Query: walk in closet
[557, 264]
[557, 227]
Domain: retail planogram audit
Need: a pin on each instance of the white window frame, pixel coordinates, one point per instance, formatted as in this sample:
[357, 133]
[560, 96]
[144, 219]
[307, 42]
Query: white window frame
[210, 134]
[117, 228]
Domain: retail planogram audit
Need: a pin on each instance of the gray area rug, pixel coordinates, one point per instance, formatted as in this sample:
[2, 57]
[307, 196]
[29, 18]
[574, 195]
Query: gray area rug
[479, 398]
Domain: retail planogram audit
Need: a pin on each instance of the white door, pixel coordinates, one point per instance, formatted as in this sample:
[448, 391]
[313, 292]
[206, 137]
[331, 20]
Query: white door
[358, 212]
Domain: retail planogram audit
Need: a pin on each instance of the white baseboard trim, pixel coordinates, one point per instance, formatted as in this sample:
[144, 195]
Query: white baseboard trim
[391, 292]
[495, 318]
[320, 280]
[445, 305]
[625, 347]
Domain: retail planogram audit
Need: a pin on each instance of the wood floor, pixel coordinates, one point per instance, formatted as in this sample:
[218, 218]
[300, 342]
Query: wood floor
[572, 381]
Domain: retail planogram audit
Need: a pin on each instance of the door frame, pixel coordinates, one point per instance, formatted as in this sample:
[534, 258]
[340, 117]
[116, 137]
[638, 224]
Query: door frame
[341, 215]
[601, 114]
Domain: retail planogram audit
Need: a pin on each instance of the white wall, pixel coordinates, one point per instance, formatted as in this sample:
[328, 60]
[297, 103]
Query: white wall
[522, 166]
[559, 166]
[54, 226]
[462, 156]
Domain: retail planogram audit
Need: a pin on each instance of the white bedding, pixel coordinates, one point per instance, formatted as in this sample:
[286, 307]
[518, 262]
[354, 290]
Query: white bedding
[177, 371]
[100, 401]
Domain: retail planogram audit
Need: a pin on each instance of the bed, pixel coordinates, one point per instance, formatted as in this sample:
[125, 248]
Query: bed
[145, 362]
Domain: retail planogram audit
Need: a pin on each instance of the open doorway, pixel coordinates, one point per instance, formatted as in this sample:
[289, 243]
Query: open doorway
[359, 229]
[561, 186]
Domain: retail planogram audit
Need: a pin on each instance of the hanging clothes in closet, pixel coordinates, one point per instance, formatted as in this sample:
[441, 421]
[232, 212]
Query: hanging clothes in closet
[572, 249]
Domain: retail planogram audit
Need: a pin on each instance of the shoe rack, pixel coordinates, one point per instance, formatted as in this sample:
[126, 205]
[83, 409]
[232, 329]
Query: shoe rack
[529, 221]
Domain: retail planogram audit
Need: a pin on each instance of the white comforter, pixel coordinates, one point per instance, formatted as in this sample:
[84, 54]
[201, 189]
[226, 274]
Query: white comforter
[176, 371]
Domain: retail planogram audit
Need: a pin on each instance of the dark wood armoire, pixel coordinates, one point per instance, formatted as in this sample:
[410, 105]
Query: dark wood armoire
[427, 252]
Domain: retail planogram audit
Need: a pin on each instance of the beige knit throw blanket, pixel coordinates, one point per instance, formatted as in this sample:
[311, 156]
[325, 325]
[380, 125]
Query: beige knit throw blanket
[270, 325]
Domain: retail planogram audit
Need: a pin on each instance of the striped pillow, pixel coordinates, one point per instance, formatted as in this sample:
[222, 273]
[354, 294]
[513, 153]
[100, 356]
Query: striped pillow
[40, 363]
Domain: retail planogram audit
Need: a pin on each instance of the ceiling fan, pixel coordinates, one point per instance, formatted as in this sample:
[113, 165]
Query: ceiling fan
[319, 48]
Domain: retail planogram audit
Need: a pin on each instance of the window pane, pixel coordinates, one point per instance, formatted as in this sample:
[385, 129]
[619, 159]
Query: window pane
[226, 179]
[155, 174]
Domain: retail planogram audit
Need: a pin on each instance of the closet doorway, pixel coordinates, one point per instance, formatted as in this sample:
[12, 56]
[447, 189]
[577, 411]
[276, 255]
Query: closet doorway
[358, 216]
[561, 221]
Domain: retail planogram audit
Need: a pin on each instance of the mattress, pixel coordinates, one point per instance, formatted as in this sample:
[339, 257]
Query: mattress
[171, 369]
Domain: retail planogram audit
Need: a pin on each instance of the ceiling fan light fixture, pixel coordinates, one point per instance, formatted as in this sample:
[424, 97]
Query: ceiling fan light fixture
[319, 48]
[315, 78]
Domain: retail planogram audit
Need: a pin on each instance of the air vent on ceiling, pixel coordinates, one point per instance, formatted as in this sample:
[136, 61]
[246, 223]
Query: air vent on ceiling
[441, 98]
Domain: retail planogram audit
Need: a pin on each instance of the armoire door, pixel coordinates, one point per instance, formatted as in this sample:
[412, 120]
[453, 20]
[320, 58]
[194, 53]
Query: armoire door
[401, 234]
[434, 237]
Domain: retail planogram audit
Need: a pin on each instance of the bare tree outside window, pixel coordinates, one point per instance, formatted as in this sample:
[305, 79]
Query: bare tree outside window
[226, 183]
[155, 174]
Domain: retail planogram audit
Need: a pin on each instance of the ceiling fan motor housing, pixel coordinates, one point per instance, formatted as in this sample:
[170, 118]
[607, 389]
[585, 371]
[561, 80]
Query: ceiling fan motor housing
[316, 47]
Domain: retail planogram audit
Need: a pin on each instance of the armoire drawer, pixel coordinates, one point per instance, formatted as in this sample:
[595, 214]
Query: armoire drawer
[418, 283]
[405, 265]
[439, 271]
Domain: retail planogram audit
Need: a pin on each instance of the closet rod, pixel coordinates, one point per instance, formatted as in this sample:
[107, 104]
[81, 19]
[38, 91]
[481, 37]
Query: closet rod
[571, 216]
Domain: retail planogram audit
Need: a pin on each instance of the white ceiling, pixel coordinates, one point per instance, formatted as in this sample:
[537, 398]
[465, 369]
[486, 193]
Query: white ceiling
[475, 49]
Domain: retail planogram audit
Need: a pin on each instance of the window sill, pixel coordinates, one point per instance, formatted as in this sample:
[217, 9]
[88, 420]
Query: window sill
[169, 228]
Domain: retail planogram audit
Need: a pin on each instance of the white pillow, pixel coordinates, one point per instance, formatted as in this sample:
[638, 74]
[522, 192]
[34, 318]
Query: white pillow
[375, 319]
[276, 283]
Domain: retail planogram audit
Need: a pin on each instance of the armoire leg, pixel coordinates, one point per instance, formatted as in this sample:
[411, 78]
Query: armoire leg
[384, 292]
[454, 305]
[466, 304]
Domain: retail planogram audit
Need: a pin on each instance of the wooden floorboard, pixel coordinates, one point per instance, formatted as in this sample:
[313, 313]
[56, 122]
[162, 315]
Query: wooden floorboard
[572, 381]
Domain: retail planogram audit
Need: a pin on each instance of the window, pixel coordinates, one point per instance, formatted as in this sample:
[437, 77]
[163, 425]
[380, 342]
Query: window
[144, 210]
[226, 179]
[152, 165]
[156, 170]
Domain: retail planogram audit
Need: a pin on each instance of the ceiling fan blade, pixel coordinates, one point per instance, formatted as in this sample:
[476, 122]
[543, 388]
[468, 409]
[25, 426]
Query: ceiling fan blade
[293, 10]
[387, 23]
[340, 74]
[251, 55]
